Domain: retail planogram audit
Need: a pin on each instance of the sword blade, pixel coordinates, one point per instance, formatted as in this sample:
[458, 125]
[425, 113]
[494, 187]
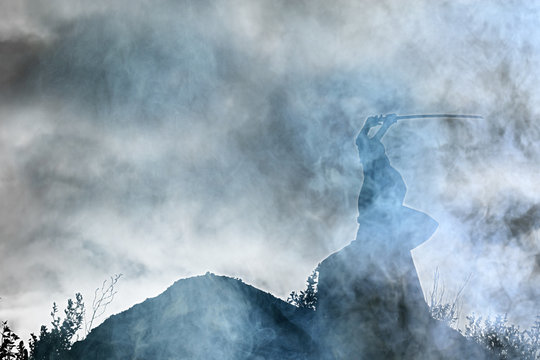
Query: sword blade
[404, 117]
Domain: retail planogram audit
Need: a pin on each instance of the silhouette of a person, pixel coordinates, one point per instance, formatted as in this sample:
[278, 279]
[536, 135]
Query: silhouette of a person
[381, 214]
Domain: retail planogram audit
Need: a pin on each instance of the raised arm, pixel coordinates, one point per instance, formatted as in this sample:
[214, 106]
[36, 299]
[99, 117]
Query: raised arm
[365, 145]
[387, 121]
[371, 122]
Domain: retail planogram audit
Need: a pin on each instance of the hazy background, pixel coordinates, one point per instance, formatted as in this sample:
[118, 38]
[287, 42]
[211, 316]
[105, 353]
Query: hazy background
[162, 139]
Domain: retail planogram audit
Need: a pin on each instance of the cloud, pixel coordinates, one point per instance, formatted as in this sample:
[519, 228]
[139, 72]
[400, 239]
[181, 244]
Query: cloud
[165, 139]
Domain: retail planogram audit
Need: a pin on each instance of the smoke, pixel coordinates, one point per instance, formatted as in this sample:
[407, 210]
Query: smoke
[162, 140]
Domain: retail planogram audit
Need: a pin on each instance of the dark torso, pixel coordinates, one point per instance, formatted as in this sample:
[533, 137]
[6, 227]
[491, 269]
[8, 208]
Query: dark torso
[383, 186]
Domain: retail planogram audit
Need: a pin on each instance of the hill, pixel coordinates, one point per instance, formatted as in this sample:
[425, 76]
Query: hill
[368, 308]
[204, 317]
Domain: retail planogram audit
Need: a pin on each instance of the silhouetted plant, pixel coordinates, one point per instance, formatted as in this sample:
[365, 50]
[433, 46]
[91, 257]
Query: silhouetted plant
[55, 343]
[306, 298]
[9, 349]
[22, 353]
[439, 308]
[8, 342]
[504, 340]
[102, 298]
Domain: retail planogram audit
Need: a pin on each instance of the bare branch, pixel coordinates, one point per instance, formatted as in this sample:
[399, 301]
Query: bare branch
[103, 296]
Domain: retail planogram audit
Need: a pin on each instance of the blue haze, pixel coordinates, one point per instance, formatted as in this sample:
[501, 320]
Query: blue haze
[164, 139]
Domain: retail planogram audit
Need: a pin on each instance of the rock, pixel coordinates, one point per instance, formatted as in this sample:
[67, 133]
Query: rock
[205, 317]
[369, 307]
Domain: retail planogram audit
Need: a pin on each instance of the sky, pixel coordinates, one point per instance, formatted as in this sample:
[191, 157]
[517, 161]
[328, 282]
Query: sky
[163, 139]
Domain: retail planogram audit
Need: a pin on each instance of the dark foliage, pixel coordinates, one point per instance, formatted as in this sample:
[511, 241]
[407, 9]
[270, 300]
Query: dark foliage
[55, 343]
[504, 340]
[306, 298]
[9, 349]
[441, 310]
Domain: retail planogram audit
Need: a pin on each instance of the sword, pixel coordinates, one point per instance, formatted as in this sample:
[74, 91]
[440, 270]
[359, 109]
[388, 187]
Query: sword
[404, 117]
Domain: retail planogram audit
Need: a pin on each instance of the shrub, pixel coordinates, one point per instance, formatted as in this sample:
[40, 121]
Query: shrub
[55, 343]
[504, 340]
[442, 310]
[306, 298]
[8, 348]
